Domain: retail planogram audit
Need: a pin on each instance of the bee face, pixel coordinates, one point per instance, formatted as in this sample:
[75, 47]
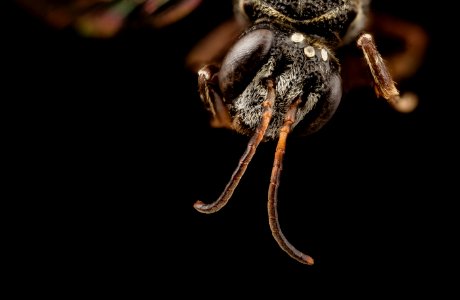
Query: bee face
[302, 67]
[281, 75]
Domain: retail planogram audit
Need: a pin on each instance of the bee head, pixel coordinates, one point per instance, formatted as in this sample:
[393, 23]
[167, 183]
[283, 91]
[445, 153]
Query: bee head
[302, 67]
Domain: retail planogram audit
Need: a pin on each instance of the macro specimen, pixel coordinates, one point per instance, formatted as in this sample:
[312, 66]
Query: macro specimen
[277, 67]
[282, 74]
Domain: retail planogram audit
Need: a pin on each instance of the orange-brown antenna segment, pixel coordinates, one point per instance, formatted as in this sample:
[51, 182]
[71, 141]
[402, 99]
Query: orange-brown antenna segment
[246, 158]
[273, 190]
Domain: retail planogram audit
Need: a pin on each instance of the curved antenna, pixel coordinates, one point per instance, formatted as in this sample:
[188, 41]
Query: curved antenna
[246, 158]
[273, 190]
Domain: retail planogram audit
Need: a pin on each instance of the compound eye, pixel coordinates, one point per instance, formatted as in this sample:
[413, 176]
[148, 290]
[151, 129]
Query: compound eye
[335, 92]
[243, 61]
[324, 109]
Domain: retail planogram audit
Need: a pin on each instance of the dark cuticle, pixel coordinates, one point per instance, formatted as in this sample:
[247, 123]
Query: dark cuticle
[243, 61]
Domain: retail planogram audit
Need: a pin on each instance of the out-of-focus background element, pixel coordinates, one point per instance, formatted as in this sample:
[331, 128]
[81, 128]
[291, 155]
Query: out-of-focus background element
[111, 148]
[106, 18]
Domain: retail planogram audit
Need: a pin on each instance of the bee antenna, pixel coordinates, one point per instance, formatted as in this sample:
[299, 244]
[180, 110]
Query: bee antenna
[273, 190]
[246, 157]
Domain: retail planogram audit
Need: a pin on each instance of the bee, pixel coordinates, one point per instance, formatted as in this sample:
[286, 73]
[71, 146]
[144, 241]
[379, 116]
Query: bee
[282, 75]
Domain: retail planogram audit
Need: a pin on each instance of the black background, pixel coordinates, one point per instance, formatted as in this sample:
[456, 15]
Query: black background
[111, 148]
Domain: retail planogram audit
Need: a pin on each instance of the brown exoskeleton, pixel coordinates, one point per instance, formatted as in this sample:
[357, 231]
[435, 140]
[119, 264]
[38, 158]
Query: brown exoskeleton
[282, 74]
